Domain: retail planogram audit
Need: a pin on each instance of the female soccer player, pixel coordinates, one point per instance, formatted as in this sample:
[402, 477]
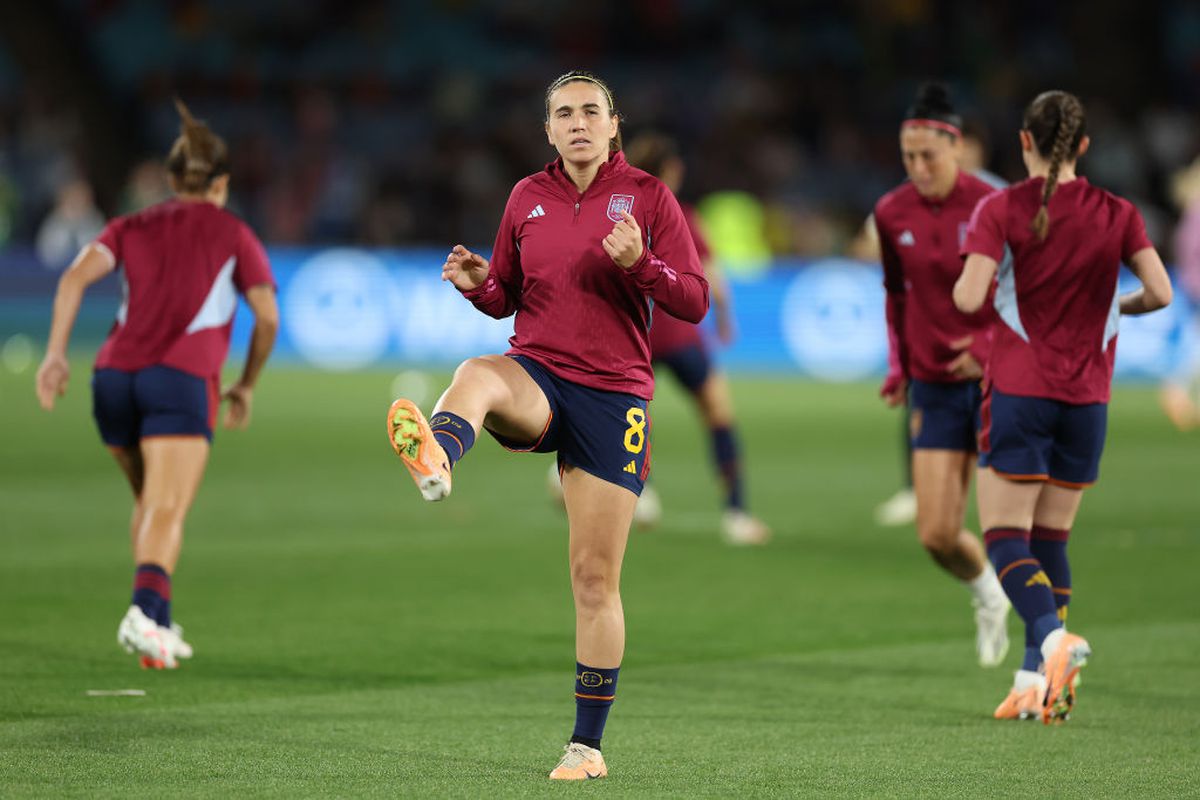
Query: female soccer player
[155, 388]
[586, 248]
[937, 352]
[1049, 377]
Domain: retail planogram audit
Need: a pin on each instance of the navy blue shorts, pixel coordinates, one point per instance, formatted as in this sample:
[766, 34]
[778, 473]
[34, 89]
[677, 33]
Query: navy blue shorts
[155, 401]
[943, 416]
[1036, 439]
[606, 434]
[691, 366]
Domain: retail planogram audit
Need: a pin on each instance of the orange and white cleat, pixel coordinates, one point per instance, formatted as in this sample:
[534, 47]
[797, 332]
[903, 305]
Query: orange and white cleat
[579, 763]
[413, 441]
[1068, 653]
[139, 634]
[1025, 698]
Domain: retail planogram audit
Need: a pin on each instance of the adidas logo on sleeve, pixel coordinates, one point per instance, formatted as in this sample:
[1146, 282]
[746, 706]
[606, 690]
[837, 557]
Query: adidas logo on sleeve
[538, 211]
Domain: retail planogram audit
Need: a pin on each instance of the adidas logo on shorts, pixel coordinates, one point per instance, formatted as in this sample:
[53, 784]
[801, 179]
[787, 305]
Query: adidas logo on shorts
[631, 467]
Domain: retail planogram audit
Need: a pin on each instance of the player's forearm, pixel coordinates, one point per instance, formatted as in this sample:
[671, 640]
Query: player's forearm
[1140, 302]
[67, 300]
[262, 340]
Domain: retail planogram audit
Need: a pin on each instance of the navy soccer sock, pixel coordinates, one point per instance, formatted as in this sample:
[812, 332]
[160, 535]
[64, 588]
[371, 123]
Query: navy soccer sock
[1024, 581]
[725, 453]
[595, 690]
[1049, 546]
[152, 592]
[1033, 653]
[453, 433]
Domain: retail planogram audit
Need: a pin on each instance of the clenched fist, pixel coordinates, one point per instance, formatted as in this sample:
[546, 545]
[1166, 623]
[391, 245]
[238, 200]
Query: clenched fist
[624, 244]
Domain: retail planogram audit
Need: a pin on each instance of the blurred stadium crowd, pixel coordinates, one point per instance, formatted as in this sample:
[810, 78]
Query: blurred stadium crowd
[403, 123]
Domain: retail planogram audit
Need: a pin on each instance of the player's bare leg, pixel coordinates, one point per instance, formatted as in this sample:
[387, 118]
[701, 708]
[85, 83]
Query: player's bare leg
[941, 479]
[496, 392]
[129, 459]
[174, 467]
[167, 470]
[599, 514]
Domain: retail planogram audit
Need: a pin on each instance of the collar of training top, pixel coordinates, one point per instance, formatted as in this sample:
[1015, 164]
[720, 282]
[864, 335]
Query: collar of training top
[615, 165]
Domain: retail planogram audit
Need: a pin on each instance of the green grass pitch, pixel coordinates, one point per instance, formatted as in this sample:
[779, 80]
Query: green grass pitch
[353, 641]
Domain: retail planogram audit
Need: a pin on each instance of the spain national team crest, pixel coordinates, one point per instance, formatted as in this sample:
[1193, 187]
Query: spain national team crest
[619, 203]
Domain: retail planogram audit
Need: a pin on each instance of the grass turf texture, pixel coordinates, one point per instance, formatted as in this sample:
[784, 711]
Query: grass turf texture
[354, 641]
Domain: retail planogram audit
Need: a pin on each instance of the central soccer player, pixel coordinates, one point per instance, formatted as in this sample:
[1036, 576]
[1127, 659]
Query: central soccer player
[1050, 377]
[938, 353]
[588, 250]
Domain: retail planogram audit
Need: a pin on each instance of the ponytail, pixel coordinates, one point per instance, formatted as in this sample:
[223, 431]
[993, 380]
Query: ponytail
[197, 156]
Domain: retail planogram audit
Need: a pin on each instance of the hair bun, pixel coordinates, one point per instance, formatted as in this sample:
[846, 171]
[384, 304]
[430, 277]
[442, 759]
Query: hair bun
[935, 96]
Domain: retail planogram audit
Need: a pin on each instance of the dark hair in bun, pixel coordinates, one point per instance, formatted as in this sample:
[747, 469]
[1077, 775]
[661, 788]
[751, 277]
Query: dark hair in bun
[933, 103]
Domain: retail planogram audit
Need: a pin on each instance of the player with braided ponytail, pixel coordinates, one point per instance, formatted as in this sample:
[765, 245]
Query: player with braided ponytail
[156, 387]
[1061, 113]
[1049, 377]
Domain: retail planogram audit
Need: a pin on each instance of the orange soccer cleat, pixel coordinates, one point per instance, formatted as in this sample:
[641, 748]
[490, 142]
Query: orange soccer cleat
[413, 441]
[1024, 699]
[579, 763]
[1068, 654]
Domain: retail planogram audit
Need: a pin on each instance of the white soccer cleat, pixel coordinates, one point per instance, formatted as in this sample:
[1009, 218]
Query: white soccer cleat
[991, 631]
[139, 634]
[648, 511]
[579, 763]
[740, 528]
[899, 509]
[173, 637]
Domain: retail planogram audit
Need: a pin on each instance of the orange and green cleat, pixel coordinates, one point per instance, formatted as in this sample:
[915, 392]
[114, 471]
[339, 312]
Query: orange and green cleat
[1070, 654]
[579, 763]
[413, 441]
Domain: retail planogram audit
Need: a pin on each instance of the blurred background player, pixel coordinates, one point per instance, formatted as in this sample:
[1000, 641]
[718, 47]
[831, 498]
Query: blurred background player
[573, 261]
[1180, 392]
[1049, 377]
[156, 384]
[937, 353]
[974, 156]
[680, 347]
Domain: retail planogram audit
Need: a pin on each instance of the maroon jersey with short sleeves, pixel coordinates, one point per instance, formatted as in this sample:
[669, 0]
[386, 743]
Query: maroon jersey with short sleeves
[670, 334]
[1057, 303]
[183, 265]
[577, 313]
[919, 241]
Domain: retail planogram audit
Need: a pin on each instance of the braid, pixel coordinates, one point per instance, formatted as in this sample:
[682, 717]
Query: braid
[1070, 115]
